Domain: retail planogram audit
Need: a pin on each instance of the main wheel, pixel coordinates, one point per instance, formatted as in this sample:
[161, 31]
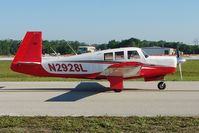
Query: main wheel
[117, 90]
[161, 85]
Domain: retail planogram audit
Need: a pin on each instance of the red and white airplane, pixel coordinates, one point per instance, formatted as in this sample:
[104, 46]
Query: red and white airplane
[115, 65]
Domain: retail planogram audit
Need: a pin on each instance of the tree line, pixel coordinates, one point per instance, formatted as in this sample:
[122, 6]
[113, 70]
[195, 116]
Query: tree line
[9, 47]
[134, 42]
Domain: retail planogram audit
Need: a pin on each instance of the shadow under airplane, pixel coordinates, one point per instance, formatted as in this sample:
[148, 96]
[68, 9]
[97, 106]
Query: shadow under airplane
[79, 92]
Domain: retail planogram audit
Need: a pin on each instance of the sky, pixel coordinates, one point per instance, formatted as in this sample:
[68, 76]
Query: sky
[99, 21]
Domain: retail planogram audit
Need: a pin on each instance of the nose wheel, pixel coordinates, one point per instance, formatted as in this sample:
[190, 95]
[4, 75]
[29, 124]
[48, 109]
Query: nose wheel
[161, 85]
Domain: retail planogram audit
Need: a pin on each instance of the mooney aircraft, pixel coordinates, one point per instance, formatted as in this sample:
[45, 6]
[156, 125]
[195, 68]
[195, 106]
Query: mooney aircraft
[115, 65]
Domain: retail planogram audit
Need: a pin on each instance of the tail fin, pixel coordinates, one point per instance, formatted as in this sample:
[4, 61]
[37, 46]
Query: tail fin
[30, 49]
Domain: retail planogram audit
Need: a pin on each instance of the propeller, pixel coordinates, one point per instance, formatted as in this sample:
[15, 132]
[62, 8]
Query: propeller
[180, 61]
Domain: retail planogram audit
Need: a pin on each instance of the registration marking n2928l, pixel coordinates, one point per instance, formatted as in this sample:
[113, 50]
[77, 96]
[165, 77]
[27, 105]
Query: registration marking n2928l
[57, 67]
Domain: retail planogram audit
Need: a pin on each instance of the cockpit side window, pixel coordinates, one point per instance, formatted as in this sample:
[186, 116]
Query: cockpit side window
[108, 56]
[133, 55]
[119, 55]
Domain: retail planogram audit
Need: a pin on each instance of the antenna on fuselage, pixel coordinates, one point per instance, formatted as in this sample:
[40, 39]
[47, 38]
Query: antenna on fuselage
[72, 49]
[53, 51]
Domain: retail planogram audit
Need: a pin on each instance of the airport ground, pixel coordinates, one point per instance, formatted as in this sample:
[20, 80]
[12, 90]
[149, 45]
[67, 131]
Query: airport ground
[141, 107]
[95, 99]
[85, 97]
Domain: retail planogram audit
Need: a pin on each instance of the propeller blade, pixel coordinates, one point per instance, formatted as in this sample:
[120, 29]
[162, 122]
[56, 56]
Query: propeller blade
[179, 61]
[180, 71]
[177, 51]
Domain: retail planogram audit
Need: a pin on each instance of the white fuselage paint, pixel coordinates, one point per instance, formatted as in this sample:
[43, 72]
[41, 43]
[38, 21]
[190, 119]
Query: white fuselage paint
[73, 68]
[168, 61]
[94, 62]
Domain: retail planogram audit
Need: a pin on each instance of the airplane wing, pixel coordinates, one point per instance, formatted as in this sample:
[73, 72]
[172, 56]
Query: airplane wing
[125, 70]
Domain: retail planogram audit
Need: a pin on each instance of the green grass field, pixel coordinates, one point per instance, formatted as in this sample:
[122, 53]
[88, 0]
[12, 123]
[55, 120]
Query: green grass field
[190, 73]
[99, 124]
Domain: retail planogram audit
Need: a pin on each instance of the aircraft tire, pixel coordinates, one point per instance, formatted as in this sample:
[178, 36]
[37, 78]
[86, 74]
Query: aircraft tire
[117, 90]
[161, 85]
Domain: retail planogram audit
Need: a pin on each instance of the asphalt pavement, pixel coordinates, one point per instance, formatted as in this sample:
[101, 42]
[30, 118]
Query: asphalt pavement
[95, 99]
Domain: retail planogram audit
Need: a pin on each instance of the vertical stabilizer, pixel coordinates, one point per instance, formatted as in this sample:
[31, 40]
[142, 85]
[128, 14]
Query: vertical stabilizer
[28, 57]
[30, 49]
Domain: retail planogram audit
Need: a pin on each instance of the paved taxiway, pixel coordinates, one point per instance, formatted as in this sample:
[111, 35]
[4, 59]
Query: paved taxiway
[93, 98]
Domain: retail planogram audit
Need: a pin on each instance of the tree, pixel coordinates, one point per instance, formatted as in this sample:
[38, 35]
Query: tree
[112, 44]
[60, 46]
[195, 41]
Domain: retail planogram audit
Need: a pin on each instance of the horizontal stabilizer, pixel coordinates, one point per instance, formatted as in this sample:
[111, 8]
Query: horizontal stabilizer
[28, 62]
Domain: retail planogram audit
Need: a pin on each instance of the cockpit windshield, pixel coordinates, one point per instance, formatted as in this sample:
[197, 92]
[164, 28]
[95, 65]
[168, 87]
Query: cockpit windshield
[145, 54]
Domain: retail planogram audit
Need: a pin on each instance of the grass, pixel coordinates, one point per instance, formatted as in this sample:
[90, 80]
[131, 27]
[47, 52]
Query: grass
[190, 73]
[99, 124]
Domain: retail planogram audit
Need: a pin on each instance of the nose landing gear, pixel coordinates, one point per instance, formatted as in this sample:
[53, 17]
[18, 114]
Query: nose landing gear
[161, 85]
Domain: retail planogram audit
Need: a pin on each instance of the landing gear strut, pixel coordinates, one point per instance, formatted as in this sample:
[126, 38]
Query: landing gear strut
[116, 83]
[161, 85]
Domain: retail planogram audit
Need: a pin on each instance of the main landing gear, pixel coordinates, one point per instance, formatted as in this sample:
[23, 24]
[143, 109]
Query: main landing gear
[117, 90]
[161, 85]
[116, 83]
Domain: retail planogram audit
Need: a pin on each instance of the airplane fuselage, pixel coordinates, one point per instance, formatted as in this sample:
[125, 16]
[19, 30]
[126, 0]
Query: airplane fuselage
[92, 65]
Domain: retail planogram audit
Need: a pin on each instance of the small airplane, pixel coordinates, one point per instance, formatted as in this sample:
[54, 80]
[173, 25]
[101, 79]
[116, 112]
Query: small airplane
[115, 65]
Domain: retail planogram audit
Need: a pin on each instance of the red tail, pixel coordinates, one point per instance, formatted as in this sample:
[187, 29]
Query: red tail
[28, 56]
[30, 49]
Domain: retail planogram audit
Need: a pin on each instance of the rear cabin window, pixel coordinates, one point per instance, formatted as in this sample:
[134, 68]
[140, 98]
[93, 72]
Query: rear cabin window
[133, 55]
[108, 56]
[119, 55]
